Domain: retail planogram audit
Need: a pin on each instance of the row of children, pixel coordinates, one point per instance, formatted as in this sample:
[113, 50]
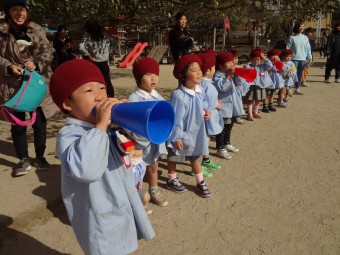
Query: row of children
[208, 100]
[99, 189]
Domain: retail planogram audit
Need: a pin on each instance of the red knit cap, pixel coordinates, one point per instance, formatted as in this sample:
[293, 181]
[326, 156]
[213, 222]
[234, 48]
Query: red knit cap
[209, 51]
[256, 53]
[183, 62]
[71, 75]
[144, 66]
[234, 52]
[224, 57]
[273, 52]
[286, 52]
[208, 61]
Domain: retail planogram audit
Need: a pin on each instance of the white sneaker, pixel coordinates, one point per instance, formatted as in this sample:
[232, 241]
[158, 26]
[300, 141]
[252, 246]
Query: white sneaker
[222, 153]
[304, 84]
[337, 80]
[231, 148]
[328, 81]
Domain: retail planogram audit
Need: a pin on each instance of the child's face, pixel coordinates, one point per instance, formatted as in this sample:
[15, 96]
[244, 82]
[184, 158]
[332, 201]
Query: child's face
[210, 73]
[148, 82]
[235, 61]
[227, 66]
[84, 99]
[256, 61]
[273, 58]
[193, 76]
[287, 58]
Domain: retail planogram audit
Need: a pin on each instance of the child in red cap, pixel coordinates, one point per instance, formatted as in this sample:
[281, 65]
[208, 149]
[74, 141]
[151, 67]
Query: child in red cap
[214, 125]
[257, 92]
[278, 83]
[188, 140]
[225, 85]
[98, 189]
[290, 75]
[146, 72]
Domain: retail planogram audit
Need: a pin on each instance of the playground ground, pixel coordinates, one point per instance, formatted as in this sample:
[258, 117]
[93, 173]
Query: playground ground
[279, 195]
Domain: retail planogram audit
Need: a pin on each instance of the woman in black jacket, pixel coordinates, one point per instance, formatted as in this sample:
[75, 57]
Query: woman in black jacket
[180, 41]
[332, 53]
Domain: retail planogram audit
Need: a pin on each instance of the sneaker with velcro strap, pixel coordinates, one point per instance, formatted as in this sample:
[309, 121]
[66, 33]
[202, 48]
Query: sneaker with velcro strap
[203, 189]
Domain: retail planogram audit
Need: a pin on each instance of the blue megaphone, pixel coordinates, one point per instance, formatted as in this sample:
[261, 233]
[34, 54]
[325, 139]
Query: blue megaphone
[153, 120]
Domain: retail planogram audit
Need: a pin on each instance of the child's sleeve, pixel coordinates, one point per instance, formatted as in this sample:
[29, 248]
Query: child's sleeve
[267, 65]
[180, 110]
[222, 84]
[84, 156]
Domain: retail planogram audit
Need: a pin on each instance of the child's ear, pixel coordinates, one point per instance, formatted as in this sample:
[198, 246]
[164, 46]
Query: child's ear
[66, 105]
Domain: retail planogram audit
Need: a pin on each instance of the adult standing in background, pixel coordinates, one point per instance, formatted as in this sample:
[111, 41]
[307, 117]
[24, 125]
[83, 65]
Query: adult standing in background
[180, 41]
[36, 55]
[299, 44]
[62, 45]
[97, 46]
[332, 52]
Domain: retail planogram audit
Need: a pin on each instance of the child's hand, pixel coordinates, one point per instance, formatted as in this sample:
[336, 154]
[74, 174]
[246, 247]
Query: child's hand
[179, 145]
[206, 115]
[103, 113]
[219, 105]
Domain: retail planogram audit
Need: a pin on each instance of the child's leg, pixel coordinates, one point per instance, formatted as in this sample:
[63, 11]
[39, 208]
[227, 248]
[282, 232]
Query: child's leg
[208, 163]
[256, 109]
[201, 184]
[271, 101]
[265, 102]
[155, 194]
[220, 145]
[173, 182]
[250, 110]
[229, 147]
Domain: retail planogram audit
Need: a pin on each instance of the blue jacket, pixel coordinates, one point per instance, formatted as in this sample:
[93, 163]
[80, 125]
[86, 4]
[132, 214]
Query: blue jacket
[99, 192]
[189, 122]
[215, 124]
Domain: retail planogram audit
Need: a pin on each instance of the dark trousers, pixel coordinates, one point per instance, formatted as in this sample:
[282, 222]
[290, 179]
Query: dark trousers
[20, 139]
[329, 68]
[223, 138]
[105, 69]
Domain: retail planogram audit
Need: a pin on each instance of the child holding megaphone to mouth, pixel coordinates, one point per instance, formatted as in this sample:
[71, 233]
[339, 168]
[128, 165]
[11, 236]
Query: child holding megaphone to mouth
[98, 189]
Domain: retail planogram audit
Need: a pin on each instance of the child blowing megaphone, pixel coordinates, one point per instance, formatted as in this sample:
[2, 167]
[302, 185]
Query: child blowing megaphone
[98, 189]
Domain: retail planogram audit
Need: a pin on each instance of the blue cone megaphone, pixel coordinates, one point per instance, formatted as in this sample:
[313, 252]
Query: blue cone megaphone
[153, 120]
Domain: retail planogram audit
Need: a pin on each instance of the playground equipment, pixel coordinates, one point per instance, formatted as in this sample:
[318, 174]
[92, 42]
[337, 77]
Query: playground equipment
[131, 57]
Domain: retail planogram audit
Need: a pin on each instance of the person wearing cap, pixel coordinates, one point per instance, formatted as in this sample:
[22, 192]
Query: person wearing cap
[214, 125]
[290, 76]
[224, 83]
[146, 73]
[188, 140]
[36, 55]
[241, 87]
[302, 54]
[275, 74]
[98, 188]
[257, 92]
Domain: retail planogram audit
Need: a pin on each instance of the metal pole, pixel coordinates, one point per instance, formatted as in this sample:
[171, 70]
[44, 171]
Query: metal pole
[214, 39]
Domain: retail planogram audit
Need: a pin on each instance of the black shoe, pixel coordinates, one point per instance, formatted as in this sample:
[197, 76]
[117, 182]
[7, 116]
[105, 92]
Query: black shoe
[23, 166]
[265, 108]
[271, 108]
[41, 163]
[203, 189]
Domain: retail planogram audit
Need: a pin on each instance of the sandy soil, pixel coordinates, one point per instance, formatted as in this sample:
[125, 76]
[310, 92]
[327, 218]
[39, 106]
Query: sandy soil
[279, 195]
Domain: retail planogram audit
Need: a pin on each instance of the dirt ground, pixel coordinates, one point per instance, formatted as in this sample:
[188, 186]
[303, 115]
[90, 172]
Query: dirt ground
[279, 195]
